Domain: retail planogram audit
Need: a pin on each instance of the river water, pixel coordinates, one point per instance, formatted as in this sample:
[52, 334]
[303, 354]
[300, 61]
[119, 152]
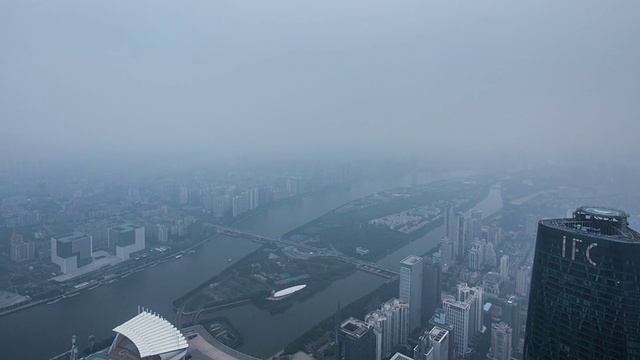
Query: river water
[44, 331]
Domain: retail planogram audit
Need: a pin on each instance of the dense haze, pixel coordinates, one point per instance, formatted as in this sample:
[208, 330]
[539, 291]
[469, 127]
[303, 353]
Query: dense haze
[107, 79]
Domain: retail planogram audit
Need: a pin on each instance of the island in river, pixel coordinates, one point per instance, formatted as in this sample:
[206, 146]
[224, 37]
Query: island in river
[348, 237]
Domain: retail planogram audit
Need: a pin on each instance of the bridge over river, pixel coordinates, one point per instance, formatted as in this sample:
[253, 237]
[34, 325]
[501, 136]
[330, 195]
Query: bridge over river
[367, 266]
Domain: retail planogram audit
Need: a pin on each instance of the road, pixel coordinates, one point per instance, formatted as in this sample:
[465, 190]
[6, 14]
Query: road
[311, 250]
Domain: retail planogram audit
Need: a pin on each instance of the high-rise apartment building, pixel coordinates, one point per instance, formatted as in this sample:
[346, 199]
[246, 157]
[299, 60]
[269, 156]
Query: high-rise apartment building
[98, 230]
[460, 236]
[522, 280]
[584, 299]
[500, 342]
[446, 252]
[495, 235]
[411, 288]
[163, 233]
[390, 326]
[504, 267]
[490, 258]
[21, 250]
[476, 254]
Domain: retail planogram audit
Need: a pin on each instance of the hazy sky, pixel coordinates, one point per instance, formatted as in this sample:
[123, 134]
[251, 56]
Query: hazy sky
[89, 78]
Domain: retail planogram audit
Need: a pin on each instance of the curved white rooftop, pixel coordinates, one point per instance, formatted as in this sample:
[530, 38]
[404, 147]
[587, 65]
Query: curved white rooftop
[289, 291]
[152, 334]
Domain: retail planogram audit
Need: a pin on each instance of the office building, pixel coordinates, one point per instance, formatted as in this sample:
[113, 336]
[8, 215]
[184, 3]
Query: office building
[411, 289]
[126, 239]
[446, 253]
[511, 315]
[457, 315]
[449, 222]
[355, 340]
[464, 313]
[584, 300]
[431, 288]
[71, 251]
[500, 342]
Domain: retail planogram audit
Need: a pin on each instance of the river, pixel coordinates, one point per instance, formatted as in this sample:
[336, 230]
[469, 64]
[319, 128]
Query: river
[43, 331]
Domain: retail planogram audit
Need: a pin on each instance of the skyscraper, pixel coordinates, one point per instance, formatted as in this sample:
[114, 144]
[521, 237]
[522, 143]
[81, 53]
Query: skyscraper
[504, 267]
[446, 252]
[355, 340]
[460, 236]
[411, 288]
[511, 315]
[431, 288]
[433, 343]
[390, 324]
[449, 222]
[585, 291]
[465, 315]
[476, 254]
[500, 342]
[522, 281]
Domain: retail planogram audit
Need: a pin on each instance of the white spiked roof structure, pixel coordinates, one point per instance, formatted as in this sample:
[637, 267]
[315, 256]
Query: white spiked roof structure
[152, 334]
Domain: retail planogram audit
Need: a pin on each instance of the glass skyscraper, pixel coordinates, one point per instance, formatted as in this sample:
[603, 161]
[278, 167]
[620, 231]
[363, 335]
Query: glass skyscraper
[585, 289]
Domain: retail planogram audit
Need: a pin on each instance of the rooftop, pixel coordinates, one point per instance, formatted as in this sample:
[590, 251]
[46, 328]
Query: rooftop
[288, 291]
[152, 334]
[125, 228]
[599, 222]
[438, 333]
[74, 236]
[399, 356]
[354, 327]
[410, 260]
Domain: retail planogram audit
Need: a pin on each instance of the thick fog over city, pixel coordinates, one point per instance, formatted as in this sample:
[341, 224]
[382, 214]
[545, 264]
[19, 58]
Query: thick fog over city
[120, 79]
[339, 180]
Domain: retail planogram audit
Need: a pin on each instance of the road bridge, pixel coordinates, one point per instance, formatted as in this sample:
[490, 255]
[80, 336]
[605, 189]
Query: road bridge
[368, 266]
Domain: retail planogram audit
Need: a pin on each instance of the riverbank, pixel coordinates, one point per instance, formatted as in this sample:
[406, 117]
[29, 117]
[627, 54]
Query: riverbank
[433, 197]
